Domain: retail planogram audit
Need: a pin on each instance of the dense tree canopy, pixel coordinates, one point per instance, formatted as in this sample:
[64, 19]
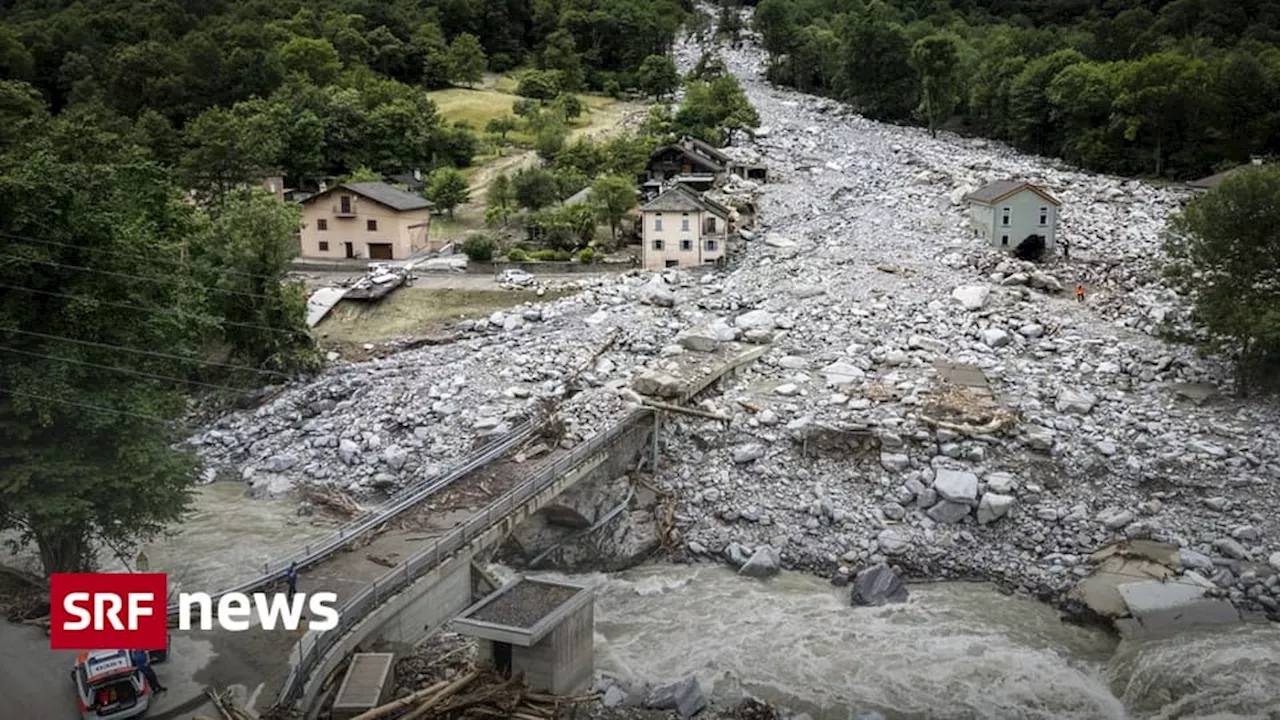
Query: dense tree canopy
[311, 89]
[1131, 86]
[117, 295]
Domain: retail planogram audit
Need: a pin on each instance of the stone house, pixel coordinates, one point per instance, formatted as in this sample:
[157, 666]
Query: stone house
[692, 162]
[1015, 216]
[366, 220]
[681, 228]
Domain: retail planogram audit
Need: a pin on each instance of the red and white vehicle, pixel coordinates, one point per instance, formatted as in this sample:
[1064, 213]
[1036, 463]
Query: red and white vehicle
[110, 686]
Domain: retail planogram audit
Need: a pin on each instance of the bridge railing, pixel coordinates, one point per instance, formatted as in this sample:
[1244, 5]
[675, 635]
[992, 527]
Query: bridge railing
[313, 646]
[398, 503]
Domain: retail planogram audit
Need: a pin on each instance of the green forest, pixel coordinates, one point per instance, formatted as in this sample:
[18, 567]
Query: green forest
[1139, 87]
[233, 87]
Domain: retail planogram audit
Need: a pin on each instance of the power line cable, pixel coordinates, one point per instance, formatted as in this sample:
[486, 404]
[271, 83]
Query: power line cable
[126, 306]
[144, 277]
[86, 406]
[129, 371]
[152, 353]
[125, 255]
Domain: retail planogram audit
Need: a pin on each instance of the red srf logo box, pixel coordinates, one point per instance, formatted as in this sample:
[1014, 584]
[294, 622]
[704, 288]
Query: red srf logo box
[108, 611]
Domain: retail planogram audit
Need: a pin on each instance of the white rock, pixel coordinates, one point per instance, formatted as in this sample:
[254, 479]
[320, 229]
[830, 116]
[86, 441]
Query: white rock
[956, 485]
[1077, 402]
[993, 506]
[755, 320]
[995, 338]
[842, 373]
[972, 297]
[1000, 482]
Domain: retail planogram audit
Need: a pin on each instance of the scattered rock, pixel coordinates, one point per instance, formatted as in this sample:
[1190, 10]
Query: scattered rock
[765, 562]
[878, 585]
[684, 696]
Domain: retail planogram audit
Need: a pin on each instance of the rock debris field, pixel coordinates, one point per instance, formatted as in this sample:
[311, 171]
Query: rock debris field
[861, 275]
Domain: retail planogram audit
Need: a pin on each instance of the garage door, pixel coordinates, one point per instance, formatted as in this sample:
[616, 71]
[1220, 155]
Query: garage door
[380, 251]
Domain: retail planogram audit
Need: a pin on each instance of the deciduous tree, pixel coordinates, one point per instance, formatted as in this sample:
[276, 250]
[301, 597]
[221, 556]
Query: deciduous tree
[447, 188]
[658, 76]
[613, 197]
[1224, 251]
[934, 57]
[467, 59]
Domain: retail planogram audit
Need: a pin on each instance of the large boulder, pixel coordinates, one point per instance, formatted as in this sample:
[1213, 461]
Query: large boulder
[878, 585]
[1076, 402]
[657, 384]
[684, 696]
[656, 292]
[755, 320]
[960, 486]
[765, 562]
[993, 507]
[699, 338]
[972, 297]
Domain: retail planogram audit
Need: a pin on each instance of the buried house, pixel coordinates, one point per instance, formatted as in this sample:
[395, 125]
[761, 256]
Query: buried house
[1015, 216]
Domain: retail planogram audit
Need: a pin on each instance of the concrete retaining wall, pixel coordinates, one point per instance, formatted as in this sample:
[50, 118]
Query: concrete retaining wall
[548, 267]
[424, 607]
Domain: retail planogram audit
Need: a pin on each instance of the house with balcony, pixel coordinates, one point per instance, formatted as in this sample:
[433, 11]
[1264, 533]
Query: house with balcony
[365, 220]
[681, 228]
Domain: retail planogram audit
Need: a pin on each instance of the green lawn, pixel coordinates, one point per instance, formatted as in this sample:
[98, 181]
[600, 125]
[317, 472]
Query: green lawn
[476, 107]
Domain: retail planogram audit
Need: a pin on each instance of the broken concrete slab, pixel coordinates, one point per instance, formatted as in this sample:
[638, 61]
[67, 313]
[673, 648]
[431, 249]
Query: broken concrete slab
[1166, 607]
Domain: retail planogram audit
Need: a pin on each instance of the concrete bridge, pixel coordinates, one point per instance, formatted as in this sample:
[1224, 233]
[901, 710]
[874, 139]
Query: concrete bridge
[424, 593]
[430, 577]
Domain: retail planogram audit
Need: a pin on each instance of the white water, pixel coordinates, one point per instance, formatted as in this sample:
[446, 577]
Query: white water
[955, 650]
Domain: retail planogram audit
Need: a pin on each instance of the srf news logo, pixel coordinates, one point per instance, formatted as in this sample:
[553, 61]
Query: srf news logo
[103, 611]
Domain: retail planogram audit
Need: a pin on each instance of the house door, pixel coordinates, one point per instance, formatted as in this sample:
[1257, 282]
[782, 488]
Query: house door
[502, 658]
[380, 251]
[350, 248]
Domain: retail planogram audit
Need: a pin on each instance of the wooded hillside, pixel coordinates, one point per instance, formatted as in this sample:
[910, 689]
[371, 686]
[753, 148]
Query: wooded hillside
[313, 88]
[1128, 86]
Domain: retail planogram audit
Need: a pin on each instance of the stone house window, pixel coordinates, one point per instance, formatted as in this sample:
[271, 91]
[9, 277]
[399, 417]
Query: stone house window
[1044, 216]
[324, 244]
[686, 245]
[1004, 216]
[657, 244]
[322, 224]
[657, 222]
[371, 225]
[1004, 240]
[710, 246]
[684, 223]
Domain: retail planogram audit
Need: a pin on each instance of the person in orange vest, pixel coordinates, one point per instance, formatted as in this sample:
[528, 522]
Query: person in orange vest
[1080, 293]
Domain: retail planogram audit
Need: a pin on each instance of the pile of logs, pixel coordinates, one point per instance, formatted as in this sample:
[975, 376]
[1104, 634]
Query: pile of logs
[476, 694]
[333, 500]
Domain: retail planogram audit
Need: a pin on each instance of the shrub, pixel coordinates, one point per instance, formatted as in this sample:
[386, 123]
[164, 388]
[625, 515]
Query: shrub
[551, 255]
[478, 248]
[586, 255]
[612, 88]
[517, 255]
[539, 84]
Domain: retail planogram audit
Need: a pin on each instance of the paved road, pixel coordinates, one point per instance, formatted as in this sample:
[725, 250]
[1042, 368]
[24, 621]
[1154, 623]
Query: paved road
[34, 680]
